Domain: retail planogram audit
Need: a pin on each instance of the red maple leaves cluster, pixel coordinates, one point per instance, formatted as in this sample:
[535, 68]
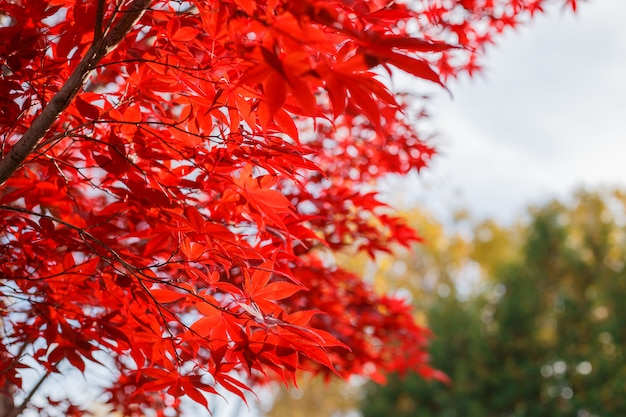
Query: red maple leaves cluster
[175, 176]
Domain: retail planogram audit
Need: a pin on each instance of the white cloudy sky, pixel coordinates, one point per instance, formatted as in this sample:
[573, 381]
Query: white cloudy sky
[547, 115]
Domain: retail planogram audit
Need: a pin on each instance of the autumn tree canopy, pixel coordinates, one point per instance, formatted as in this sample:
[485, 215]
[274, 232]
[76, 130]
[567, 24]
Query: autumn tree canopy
[175, 176]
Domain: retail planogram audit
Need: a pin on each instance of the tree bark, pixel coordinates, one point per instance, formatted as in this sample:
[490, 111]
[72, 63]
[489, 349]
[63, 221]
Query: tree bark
[101, 47]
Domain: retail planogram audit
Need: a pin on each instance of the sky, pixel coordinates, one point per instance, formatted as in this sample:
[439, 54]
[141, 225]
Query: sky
[547, 115]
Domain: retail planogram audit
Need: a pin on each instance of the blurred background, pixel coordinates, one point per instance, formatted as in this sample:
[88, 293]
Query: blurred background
[528, 318]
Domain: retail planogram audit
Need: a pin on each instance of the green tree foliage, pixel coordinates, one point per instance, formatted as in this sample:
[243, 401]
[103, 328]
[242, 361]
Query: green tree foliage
[543, 333]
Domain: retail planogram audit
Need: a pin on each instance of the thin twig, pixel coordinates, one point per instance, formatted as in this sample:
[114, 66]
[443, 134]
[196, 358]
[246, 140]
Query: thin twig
[19, 409]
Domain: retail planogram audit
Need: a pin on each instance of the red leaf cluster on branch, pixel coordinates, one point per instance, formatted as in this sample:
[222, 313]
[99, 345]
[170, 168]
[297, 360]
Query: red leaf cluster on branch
[175, 176]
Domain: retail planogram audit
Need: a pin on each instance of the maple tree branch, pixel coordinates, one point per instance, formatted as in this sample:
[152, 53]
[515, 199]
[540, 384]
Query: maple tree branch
[123, 26]
[63, 98]
[83, 234]
[40, 126]
[134, 271]
[20, 408]
[97, 31]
